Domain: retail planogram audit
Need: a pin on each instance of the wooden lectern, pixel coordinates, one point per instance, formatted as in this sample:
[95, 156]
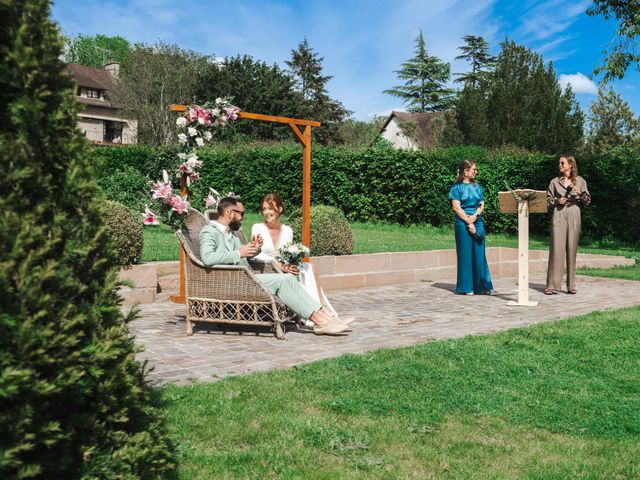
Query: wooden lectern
[523, 202]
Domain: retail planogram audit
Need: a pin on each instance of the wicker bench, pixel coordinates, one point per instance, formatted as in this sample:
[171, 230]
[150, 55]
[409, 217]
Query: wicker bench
[227, 294]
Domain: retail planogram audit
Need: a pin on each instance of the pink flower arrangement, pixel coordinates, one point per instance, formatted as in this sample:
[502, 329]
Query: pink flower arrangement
[179, 204]
[212, 199]
[162, 190]
[195, 128]
[232, 112]
[149, 217]
[199, 115]
[193, 177]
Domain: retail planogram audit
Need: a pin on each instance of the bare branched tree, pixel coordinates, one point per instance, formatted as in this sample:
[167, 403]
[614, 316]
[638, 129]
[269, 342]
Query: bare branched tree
[152, 78]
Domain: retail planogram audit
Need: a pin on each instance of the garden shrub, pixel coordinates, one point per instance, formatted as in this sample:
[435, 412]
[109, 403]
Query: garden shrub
[614, 183]
[74, 402]
[109, 159]
[411, 187]
[331, 233]
[125, 232]
[128, 187]
[158, 159]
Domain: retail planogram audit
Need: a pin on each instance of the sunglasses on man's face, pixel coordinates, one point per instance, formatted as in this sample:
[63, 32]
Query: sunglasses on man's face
[240, 212]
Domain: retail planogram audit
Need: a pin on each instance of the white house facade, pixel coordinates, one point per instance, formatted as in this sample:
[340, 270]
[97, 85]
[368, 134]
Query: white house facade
[412, 131]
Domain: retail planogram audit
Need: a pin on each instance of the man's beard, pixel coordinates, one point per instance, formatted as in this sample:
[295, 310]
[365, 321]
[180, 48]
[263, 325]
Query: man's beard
[235, 225]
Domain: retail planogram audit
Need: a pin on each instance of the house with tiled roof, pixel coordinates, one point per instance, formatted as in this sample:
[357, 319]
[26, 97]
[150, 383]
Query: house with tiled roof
[412, 131]
[100, 120]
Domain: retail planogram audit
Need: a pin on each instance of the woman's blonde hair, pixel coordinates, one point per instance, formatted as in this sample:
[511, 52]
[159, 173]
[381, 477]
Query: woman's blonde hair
[464, 165]
[274, 201]
[574, 167]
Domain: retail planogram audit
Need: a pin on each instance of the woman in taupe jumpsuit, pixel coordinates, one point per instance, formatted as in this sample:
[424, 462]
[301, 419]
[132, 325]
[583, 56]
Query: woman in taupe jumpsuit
[565, 194]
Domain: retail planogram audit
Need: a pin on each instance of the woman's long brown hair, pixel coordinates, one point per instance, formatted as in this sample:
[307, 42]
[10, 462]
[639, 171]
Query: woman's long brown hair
[274, 201]
[465, 164]
[574, 167]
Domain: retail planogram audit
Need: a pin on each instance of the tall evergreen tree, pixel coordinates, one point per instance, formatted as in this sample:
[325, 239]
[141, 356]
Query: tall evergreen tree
[255, 87]
[306, 68]
[425, 77]
[471, 107]
[527, 107]
[476, 52]
[73, 401]
[471, 103]
[611, 122]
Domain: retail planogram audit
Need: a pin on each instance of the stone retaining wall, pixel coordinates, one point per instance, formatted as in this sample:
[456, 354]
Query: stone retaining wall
[154, 281]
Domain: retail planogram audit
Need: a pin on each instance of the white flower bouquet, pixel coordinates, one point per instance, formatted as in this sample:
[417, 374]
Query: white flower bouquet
[293, 253]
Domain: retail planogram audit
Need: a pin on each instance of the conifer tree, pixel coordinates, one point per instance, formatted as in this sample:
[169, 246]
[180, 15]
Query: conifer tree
[73, 401]
[521, 103]
[471, 115]
[471, 103]
[258, 88]
[425, 77]
[476, 52]
[527, 107]
[611, 122]
[306, 68]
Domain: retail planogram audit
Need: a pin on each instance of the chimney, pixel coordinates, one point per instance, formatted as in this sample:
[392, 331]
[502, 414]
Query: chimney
[113, 68]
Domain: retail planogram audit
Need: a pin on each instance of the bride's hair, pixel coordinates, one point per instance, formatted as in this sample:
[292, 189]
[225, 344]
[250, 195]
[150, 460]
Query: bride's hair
[274, 201]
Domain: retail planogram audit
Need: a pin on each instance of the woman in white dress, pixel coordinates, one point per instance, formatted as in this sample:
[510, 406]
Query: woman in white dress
[276, 235]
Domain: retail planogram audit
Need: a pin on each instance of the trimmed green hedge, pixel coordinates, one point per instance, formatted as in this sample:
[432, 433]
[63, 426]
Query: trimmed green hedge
[388, 185]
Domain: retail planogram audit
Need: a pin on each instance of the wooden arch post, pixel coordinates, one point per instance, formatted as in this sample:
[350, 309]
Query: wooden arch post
[304, 137]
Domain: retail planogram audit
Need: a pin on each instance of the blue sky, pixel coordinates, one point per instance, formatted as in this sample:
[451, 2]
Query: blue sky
[362, 41]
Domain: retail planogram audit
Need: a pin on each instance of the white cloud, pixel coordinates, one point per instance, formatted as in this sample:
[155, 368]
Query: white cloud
[580, 83]
[550, 18]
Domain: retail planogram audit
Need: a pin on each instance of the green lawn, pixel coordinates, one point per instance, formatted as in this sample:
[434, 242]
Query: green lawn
[161, 244]
[559, 400]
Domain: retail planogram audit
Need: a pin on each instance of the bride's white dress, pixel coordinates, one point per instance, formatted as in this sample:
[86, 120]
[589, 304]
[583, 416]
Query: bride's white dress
[270, 252]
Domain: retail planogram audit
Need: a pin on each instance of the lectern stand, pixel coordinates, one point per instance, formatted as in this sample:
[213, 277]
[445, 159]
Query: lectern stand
[523, 202]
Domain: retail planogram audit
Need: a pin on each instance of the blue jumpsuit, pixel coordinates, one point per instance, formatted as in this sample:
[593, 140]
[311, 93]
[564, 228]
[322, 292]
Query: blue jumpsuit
[473, 269]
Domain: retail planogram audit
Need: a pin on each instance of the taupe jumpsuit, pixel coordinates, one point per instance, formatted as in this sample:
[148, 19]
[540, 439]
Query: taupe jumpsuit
[565, 231]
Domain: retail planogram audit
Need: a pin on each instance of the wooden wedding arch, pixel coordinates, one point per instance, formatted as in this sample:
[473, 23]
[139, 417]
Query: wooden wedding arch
[304, 137]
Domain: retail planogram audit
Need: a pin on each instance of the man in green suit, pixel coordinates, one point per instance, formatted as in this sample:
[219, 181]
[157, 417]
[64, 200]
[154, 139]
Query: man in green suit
[218, 246]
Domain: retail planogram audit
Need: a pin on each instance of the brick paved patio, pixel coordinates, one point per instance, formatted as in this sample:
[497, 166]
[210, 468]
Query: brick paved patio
[389, 316]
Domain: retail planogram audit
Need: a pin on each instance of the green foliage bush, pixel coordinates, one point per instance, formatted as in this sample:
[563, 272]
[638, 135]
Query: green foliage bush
[614, 184]
[411, 187]
[128, 187]
[331, 233]
[107, 160]
[74, 402]
[125, 232]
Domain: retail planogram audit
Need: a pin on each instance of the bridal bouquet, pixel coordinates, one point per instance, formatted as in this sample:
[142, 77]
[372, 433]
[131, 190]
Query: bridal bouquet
[293, 253]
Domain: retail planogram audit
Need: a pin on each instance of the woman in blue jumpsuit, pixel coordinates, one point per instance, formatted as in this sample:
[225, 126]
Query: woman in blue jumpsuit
[467, 199]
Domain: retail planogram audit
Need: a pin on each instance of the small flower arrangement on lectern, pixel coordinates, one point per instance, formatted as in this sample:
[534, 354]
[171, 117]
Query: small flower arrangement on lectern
[523, 195]
[293, 253]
